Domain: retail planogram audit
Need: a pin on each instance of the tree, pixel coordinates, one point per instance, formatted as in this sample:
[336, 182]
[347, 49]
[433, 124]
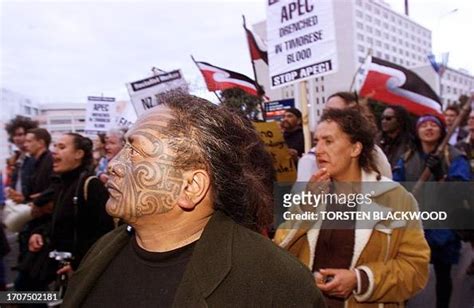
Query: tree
[247, 104]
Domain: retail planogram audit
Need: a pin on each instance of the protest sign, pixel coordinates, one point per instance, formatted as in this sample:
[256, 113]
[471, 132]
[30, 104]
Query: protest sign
[301, 40]
[144, 93]
[275, 144]
[100, 114]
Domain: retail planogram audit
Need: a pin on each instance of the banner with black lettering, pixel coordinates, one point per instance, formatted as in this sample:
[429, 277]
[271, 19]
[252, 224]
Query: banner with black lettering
[144, 93]
[100, 114]
[301, 40]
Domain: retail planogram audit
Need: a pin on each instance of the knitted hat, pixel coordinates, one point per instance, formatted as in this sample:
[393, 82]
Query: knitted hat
[294, 111]
[427, 118]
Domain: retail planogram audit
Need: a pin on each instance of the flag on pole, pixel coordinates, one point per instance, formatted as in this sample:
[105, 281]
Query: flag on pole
[439, 68]
[435, 65]
[218, 79]
[396, 85]
[257, 51]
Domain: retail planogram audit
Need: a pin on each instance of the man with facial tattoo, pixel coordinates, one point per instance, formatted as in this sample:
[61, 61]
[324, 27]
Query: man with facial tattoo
[194, 185]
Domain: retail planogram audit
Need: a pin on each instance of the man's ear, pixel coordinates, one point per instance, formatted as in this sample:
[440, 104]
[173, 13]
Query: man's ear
[195, 188]
[356, 149]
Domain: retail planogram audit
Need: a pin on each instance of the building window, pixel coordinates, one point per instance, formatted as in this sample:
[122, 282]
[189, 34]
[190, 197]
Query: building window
[361, 59]
[368, 18]
[317, 100]
[377, 32]
[378, 43]
[377, 21]
[387, 57]
[360, 37]
[359, 25]
[378, 54]
[368, 29]
[359, 14]
[60, 121]
[369, 40]
[360, 48]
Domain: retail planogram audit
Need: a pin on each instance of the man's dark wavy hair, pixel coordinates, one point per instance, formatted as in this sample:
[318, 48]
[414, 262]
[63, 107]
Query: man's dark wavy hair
[17, 122]
[226, 144]
[356, 126]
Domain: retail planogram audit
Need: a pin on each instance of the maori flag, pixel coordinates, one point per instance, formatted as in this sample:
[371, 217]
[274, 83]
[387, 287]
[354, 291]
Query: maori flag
[256, 51]
[396, 85]
[218, 79]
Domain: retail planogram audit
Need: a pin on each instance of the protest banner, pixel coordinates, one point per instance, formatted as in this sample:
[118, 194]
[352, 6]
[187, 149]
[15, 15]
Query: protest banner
[275, 144]
[100, 114]
[301, 40]
[275, 110]
[144, 93]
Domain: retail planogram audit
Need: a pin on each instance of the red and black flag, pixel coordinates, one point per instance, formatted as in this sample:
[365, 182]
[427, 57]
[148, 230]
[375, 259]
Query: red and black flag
[395, 85]
[257, 52]
[218, 79]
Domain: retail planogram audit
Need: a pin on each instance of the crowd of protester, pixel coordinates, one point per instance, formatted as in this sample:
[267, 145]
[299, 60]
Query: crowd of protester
[64, 183]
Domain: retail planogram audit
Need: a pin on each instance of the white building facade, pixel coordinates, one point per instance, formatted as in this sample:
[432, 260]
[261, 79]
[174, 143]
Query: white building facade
[60, 118]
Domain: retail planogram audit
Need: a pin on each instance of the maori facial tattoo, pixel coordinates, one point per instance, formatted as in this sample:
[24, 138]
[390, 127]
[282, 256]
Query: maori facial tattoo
[143, 179]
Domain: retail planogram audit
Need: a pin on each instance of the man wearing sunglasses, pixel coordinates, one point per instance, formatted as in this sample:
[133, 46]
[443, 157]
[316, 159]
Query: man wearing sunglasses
[396, 137]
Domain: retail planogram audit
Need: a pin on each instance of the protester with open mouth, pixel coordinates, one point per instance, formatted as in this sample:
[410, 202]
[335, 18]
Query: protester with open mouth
[79, 216]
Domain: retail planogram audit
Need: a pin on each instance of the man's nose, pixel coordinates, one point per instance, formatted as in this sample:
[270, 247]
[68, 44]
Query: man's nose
[115, 167]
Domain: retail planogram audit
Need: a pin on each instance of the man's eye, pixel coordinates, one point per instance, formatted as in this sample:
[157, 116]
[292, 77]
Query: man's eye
[132, 151]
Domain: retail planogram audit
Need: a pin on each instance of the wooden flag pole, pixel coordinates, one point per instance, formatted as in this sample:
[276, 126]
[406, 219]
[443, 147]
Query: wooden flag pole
[220, 100]
[305, 117]
[439, 151]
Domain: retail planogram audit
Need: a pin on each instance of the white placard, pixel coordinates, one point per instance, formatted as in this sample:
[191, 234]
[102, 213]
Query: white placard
[143, 93]
[301, 40]
[100, 114]
[126, 114]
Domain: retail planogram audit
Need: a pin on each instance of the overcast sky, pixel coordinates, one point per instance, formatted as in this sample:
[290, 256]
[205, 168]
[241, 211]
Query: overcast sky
[64, 51]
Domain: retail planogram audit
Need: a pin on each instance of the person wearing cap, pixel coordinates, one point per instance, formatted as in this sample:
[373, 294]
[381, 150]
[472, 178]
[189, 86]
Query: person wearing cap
[293, 132]
[452, 165]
